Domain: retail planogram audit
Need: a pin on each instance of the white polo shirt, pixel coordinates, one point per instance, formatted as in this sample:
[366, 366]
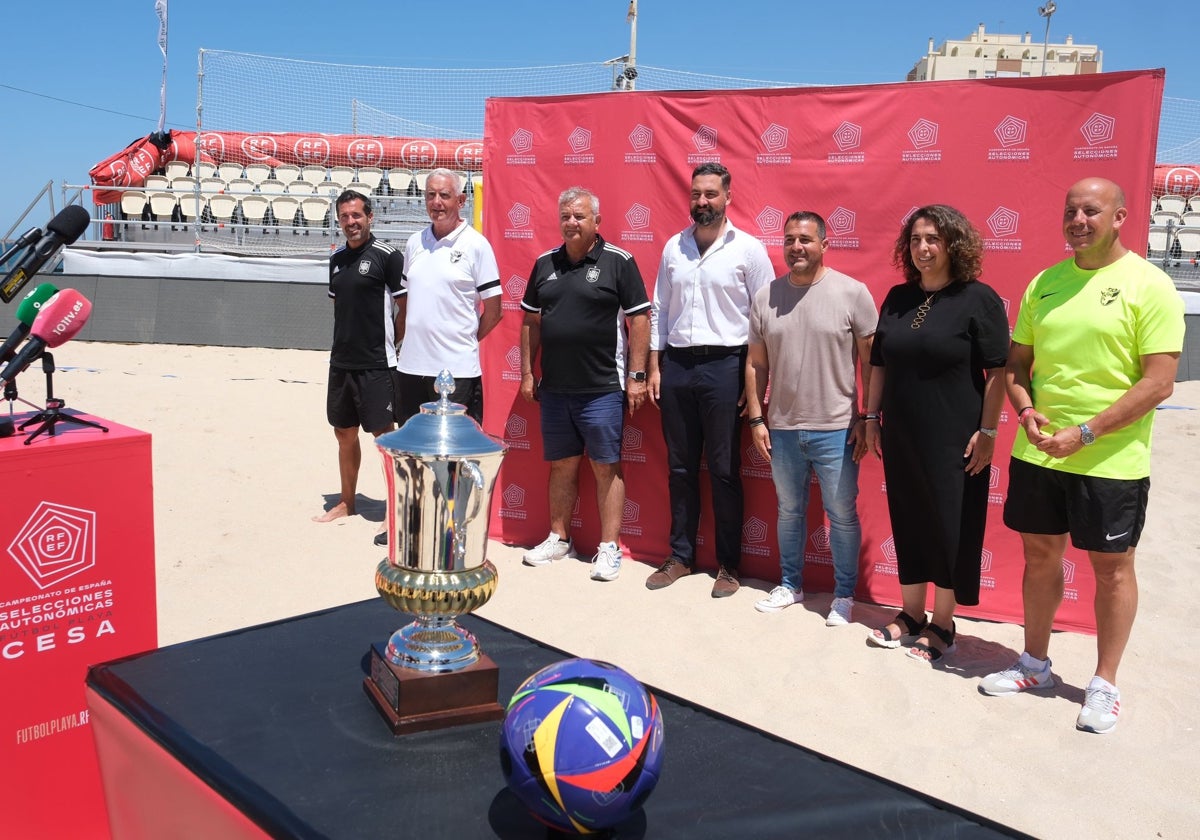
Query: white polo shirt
[446, 281]
[705, 300]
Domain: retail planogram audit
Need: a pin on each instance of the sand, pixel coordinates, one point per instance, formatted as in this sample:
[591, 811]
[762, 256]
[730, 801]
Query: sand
[243, 458]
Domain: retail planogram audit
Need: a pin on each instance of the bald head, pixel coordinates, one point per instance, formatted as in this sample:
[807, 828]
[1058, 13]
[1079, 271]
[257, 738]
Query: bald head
[1101, 189]
[1092, 219]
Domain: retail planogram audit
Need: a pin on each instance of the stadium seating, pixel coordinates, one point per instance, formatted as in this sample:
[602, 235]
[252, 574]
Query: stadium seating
[287, 172]
[272, 187]
[204, 169]
[1163, 217]
[157, 182]
[1158, 241]
[1189, 243]
[133, 203]
[176, 169]
[315, 211]
[240, 186]
[360, 187]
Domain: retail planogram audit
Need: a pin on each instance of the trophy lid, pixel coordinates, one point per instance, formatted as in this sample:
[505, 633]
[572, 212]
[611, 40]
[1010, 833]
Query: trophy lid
[441, 429]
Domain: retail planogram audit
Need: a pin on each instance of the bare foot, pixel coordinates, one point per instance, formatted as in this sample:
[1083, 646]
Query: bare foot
[336, 512]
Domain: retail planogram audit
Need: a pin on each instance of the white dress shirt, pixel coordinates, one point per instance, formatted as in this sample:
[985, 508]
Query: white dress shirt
[705, 299]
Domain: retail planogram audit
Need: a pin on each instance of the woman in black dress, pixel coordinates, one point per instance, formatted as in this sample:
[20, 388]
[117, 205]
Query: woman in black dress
[936, 390]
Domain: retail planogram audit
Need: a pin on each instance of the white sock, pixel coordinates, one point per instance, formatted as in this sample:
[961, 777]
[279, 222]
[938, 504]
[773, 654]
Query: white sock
[1033, 663]
[610, 543]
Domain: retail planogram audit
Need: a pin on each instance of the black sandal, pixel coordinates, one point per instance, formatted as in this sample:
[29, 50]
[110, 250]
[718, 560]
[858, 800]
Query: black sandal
[930, 654]
[913, 626]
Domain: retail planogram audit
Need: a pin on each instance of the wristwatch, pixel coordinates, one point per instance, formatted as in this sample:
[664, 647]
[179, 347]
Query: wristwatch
[637, 375]
[1086, 436]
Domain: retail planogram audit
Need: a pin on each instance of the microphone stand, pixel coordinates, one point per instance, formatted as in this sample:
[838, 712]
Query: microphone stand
[54, 406]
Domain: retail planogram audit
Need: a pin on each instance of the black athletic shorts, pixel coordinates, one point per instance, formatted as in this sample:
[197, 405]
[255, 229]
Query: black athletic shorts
[416, 389]
[1101, 514]
[367, 398]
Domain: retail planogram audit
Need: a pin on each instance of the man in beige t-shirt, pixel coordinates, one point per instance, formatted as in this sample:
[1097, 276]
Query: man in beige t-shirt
[809, 331]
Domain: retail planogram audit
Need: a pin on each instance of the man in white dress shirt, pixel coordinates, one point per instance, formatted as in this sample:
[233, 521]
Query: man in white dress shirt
[700, 322]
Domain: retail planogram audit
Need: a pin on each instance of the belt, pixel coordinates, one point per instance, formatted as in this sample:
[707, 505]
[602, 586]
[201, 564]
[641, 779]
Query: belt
[708, 349]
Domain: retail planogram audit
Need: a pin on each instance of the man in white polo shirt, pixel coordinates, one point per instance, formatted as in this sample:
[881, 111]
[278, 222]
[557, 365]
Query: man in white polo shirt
[454, 290]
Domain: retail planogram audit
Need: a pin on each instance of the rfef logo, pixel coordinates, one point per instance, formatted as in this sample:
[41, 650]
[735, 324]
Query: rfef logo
[365, 152]
[55, 543]
[259, 147]
[419, 153]
[314, 150]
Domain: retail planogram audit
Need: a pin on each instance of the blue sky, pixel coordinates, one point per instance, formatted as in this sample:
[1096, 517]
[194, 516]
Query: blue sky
[80, 79]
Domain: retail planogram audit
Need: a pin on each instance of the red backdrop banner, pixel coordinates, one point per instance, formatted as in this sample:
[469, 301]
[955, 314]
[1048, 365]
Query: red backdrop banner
[1003, 151]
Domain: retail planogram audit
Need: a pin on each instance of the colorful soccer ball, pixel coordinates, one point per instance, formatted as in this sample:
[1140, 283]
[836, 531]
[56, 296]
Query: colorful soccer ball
[581, 745]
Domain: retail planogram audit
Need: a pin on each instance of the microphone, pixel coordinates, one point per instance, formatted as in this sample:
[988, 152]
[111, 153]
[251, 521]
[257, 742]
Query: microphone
[61, 319]
[62, 230]
[27, 311]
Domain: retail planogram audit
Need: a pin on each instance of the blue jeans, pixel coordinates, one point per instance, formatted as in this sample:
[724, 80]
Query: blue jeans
[795, 455]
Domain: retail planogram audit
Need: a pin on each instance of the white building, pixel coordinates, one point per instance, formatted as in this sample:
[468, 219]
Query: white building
[983, 55]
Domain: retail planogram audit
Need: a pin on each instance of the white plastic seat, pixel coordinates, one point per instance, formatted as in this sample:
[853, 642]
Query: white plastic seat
[133, 203]
[163, 204]
[399, 181]
[315, 210]
[341, 175]
[240, 187]
[176, 169]
[313, 174]
[422, 177]
[287, 172]
[186, 184]
[229, 171]
[1173, 203]
[272, 187]
[257, 172]
[254, 208]
[154, 183]
[1162, 217]
[1158, 241]
[1189, 242]
[301, 188]
[222, 207]
[360, 187]
[372, 175]
[284, 207]
[212, 186]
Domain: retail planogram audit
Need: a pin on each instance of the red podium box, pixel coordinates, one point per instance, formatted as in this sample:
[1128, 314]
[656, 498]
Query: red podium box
[76, 587]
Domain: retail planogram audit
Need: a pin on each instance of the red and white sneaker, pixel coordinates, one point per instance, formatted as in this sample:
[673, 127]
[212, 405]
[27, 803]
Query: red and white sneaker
[1024, 675]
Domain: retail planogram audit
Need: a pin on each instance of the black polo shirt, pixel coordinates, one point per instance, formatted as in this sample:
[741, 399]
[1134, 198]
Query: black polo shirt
[583, 308]
[363, 282]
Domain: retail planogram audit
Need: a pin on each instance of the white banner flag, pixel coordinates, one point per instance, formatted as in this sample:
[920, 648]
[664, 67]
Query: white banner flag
[160, 6]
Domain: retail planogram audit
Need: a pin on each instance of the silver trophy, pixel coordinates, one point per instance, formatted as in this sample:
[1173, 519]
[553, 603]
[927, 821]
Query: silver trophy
[441, 471]
[442, 468]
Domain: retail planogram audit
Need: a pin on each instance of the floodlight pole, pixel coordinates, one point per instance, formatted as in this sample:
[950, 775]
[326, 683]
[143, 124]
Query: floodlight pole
[1047, 12]
[631, 64]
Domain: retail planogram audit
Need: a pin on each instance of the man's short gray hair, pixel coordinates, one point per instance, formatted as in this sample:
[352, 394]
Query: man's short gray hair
[572, 194]
[454, 177]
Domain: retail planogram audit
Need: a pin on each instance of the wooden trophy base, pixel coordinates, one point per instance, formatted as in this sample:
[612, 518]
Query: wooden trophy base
[417, 701]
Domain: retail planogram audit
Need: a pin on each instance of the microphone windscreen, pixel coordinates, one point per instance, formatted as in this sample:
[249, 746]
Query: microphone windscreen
[70, 223]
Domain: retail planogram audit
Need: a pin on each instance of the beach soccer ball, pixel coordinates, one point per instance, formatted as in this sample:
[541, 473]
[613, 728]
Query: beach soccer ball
[581, 745]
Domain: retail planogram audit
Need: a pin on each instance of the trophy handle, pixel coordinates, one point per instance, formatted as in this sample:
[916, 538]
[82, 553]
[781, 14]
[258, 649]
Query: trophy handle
[472, 471]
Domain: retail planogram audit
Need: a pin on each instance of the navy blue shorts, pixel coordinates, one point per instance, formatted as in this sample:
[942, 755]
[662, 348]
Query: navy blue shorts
[1100, 514]
[575, 423]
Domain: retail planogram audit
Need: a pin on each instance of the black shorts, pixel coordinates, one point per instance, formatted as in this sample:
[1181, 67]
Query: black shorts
[416, 389]
[1101, 514]
[367, 398]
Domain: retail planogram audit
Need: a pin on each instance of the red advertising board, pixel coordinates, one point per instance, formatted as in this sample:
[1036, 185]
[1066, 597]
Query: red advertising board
[1003, 151]
[76, 588]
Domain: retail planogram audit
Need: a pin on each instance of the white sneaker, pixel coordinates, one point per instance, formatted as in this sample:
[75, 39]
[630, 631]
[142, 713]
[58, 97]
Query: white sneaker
[779, 598]
[1023, 675]
[606, 565]
[1101, 706]
[552, 548]
[839, 612]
